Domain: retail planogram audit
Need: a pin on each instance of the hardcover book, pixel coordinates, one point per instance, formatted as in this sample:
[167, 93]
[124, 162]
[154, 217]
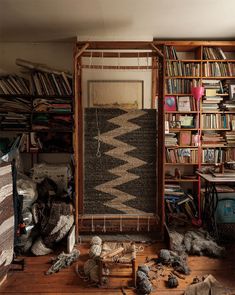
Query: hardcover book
[170, 103]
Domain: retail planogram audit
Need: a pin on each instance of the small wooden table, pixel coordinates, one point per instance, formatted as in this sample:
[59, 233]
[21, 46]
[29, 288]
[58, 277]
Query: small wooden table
[116, 255]
[211, 199]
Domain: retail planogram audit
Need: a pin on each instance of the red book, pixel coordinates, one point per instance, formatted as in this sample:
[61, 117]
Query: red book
[170, 103]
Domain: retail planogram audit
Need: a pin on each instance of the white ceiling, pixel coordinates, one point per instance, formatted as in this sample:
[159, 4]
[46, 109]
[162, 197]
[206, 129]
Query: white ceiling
[54, 20]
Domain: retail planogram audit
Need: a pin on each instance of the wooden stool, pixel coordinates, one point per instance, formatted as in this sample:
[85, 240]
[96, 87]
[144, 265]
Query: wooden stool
[115, 255]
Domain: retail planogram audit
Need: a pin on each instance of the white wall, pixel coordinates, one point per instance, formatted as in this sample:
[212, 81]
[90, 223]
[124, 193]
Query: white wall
[56, 55]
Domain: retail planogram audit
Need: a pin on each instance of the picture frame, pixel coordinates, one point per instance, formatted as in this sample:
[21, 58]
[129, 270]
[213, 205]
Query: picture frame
[127, 94]
[185, 138]
[184, 104]
[232, 91]
[170, 103]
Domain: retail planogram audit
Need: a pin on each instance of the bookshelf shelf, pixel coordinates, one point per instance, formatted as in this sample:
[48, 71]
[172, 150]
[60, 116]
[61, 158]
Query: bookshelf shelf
[179, 94]
[181, 164]
[182, 129]
[177, 112]
[182, 146]
[181, 180]
[218, 77]
[182, 77]
[184, 60]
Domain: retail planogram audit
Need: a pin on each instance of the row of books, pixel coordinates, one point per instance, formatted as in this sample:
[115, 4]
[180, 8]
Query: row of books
[213, 156]
[13, 84]
[218, 69]
[184, 155]
[216, 121]
[43, 83]
[213, 53]
[178, 202]
[170, 52]
[182, 69]
[180, 85]
[180, 103]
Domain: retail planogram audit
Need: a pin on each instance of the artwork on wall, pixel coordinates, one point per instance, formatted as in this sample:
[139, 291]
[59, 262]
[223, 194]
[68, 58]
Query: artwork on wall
[127, 94]
[120, 161]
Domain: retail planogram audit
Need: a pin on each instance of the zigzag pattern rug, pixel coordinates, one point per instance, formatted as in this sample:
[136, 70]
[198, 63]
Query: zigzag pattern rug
[120, 161]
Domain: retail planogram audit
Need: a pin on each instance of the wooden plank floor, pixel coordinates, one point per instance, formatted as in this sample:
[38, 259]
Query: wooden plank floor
[33, 281]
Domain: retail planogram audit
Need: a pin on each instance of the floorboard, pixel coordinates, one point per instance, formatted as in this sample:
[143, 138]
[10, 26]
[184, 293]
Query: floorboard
[33, 280]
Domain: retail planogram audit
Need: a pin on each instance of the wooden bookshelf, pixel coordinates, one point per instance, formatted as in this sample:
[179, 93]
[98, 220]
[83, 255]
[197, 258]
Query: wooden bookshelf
[197, 55]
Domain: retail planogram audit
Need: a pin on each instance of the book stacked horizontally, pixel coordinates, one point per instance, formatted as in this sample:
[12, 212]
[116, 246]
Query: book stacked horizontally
[213, 139]
[170, 139]
[230, 138]
[211, 101]
[177, 201]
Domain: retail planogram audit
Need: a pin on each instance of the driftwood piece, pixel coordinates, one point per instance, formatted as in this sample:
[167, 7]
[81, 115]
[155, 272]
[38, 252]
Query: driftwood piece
[112, 253]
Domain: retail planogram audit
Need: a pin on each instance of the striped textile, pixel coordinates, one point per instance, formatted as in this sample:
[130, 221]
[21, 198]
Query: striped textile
[6, 219]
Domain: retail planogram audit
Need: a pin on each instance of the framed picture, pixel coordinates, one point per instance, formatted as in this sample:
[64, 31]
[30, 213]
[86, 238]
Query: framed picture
[170, 103]
[232, 91]
[127, 94]
[185, 138]
[184, 104]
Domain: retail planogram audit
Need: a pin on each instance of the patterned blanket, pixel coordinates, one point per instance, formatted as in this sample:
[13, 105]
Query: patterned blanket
[6, 219]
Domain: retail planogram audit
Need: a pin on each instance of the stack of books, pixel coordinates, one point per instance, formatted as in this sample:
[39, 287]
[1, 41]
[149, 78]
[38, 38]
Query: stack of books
[15, 104]
[212, 139]
[10, 121]
[230, 138]
[177, 201]
[211, 101]
[170, 139]
[216, 85]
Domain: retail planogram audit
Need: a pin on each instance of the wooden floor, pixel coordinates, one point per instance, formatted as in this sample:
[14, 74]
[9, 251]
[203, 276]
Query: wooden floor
[33, 280]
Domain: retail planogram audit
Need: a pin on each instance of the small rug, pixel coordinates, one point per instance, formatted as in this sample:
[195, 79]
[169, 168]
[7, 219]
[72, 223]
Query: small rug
[120, 161]
[6, 219]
